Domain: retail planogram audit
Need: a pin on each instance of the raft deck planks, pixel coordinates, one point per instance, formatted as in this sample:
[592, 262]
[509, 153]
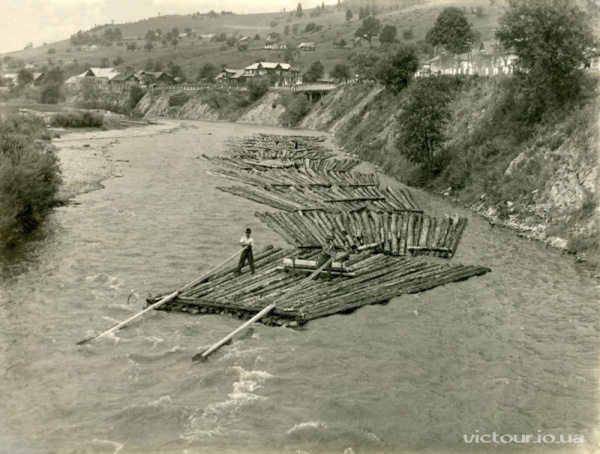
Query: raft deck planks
[377, 278]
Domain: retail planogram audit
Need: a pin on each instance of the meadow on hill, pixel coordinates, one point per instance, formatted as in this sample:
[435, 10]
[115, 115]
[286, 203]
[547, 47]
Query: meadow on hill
[411, 18]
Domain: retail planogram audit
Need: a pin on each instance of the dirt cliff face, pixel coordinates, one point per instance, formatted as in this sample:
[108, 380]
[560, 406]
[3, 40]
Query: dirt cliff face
[161, 104]
[267, 111]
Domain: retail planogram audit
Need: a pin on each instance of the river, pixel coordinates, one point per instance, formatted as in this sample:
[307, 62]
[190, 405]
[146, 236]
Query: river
[512, 352]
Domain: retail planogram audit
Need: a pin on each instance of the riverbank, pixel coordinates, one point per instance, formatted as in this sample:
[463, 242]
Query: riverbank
[86, 158]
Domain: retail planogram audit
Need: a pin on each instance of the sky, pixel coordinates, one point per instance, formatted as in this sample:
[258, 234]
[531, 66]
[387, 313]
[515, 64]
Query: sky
[39, 21]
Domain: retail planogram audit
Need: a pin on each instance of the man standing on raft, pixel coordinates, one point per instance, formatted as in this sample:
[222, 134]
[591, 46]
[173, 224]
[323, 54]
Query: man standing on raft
[246, 242]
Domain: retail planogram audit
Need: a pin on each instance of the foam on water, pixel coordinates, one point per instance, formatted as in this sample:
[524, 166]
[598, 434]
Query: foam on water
[307, 425]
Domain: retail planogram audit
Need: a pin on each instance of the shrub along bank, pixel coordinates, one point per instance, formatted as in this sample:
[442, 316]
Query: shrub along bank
[29, 176]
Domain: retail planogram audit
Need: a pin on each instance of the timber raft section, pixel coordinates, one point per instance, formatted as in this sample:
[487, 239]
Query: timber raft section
[319, 196]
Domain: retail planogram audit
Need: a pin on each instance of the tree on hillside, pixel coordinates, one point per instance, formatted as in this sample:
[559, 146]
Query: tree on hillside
[369, 29]
[553, 39]
[314, 72]
[361, 13]
[421, 122]
[364, 63]
[24, 77]
[118, 61]
[150, 36]
[104, 62]
[299, 11]
[388, 34]
[341, 71]
[286, 30]
[148, 46]
[55, 75]
[257, 87]
[51, 91]
[208, 71]
[158, 66]
[396, 68]
[135, 95]
[349, 15]
[451, 30]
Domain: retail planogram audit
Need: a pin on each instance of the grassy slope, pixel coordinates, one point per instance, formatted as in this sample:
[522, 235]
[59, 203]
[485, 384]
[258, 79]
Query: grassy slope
[550, 191]
[192, 53]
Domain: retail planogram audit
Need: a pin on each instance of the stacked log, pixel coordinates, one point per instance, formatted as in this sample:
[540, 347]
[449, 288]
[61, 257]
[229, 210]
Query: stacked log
[398, 233]
[334, 198]
[296, 177]
[377, 278]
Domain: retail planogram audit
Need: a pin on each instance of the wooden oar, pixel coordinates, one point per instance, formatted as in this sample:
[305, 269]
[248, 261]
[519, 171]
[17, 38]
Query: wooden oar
[203, 355]
[166, 299]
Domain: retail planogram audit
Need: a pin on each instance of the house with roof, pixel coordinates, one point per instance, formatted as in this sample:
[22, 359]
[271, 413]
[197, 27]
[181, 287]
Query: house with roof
[270, 45]
[154, 78]
[485, 58]
[38, 79]
[97, 76]
[124, 80]
[307, 46]
[229, 76]
[282, 73]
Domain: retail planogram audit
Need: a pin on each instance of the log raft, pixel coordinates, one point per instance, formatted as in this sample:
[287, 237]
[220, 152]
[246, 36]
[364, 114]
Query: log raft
[397, 234]
[319, 196]
[368, 279]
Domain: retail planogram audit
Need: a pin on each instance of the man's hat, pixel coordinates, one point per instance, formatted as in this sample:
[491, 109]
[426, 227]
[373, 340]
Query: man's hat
[248, 231]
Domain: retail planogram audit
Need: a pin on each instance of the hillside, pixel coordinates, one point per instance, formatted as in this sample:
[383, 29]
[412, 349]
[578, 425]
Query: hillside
[191, 53]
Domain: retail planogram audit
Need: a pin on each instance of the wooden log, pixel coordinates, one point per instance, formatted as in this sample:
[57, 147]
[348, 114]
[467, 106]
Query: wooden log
[426, 221]
[387, 236]
[431, 232]
[410, 234]
[430, 249]
[404, 241]
[394, 233]
[356, 229]
[367, 227]
[442, 241]
[462, 223]
[438, 230]
[418, 228]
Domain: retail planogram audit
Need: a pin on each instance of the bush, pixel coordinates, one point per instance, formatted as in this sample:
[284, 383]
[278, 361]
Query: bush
[257, 87]
[135, 95]
[29, 176]
[77, 120]
[296, 107]
[178, 99]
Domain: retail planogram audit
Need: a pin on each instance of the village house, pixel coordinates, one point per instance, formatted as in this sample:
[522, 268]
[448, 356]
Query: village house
[307, 46]
[231, 77]
[38, 79]
[283, 73]
[124, 80]
[154, 78]
[485, 58]
[100, 77]
[269, 45]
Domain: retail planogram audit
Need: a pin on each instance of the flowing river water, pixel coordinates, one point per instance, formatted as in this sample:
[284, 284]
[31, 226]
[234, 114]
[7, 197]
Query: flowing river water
[512, 352]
